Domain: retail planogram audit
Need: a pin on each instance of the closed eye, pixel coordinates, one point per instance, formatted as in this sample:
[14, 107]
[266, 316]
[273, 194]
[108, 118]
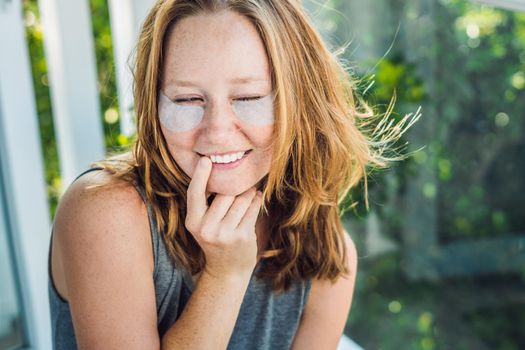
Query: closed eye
[252, 98]
[188, 100]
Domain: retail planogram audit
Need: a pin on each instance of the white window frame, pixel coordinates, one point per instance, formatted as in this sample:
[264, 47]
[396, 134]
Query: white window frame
[23, 176]
[126, 17]
[70, 55]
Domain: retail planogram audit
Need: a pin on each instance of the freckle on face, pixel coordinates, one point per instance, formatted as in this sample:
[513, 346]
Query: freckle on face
[194, 54]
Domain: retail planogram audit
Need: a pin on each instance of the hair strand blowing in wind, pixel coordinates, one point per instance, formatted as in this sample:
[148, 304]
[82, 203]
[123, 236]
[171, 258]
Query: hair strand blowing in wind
[325, 140]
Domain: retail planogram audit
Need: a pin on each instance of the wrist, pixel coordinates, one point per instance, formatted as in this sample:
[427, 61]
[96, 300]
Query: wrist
[237, 277]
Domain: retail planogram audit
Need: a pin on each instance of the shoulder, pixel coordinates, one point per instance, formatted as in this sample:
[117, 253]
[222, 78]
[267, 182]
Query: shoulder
[100, 184]
[98, 191]
[102, 234]
[351, 253]
[109, 215]
[324, 291]
[327, 307]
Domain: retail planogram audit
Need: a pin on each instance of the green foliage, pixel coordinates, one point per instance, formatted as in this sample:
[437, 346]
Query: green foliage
[492, 324]
[114, 141]
[106, 75]
[391, 312]
[481, 124]
[469, 75]
[34, 38]
[475, 94]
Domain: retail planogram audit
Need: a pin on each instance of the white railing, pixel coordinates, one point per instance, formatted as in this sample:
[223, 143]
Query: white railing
[126, 17]
[70, 57]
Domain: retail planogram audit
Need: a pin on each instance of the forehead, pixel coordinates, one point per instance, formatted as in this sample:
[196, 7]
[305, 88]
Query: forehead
[223, 44]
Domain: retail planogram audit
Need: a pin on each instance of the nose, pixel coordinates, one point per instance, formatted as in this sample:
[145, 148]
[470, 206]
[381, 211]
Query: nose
[219, 123]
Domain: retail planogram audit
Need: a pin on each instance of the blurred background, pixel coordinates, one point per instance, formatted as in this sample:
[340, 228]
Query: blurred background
[442, 247]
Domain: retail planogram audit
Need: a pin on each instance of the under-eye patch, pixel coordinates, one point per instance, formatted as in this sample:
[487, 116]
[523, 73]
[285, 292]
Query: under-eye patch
[255, 111]
[178, 117]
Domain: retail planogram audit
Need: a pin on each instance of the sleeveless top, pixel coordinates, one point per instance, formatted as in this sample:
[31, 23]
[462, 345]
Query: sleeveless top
[266, 320]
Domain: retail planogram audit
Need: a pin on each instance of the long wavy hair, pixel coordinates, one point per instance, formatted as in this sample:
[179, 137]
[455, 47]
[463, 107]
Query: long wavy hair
[324, 142]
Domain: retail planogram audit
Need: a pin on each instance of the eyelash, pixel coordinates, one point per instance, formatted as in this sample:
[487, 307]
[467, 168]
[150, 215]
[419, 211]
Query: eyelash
[184, 100]
[253, 98]
[193, 99]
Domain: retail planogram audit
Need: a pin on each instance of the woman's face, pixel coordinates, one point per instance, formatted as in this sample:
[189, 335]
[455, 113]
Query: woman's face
[215, 70]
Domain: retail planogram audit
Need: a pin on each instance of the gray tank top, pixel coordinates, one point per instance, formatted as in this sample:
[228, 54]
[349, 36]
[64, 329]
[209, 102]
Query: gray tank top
[266, 320]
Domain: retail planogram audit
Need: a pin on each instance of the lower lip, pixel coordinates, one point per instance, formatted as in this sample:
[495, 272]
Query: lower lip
[227, 166]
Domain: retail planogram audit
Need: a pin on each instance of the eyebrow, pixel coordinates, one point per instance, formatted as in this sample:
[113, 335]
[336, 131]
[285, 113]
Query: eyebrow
[245, 80]
[238, 81]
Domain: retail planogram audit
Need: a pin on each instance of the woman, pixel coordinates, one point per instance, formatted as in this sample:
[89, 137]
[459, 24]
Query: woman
[220, 229]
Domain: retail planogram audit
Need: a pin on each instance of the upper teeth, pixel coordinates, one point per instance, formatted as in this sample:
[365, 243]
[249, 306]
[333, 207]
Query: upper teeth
[227, 158]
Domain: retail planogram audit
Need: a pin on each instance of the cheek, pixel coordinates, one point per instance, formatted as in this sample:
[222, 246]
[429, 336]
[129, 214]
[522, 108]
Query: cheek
[178, 141]
[180, 148]
[261, 136]
[262, 139]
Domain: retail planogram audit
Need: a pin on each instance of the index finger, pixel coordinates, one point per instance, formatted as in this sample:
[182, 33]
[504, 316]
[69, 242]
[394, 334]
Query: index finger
[197, 204]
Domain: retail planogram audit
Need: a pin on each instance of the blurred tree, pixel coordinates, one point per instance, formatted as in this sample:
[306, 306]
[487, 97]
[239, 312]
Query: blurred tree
[474, 91]
[482, 122]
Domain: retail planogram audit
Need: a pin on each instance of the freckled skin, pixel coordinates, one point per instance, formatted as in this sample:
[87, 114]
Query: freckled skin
[194, 53]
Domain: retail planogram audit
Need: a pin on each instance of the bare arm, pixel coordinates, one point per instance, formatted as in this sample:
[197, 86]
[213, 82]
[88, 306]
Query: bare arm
[208, 320]
[226, 233]
[107, 263]
[327, 308]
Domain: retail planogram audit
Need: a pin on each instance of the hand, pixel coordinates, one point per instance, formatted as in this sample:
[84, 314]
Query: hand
[226, 229]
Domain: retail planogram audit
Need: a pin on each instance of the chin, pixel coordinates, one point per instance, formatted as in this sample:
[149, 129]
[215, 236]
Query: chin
[232, 186]
[228, 188]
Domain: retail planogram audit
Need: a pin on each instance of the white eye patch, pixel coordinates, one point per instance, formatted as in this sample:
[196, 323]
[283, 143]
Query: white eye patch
[177, 117]
[255, 112]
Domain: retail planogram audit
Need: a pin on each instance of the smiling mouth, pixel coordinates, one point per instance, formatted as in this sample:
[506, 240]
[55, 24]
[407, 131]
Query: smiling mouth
[225, 163]
[245, 153]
